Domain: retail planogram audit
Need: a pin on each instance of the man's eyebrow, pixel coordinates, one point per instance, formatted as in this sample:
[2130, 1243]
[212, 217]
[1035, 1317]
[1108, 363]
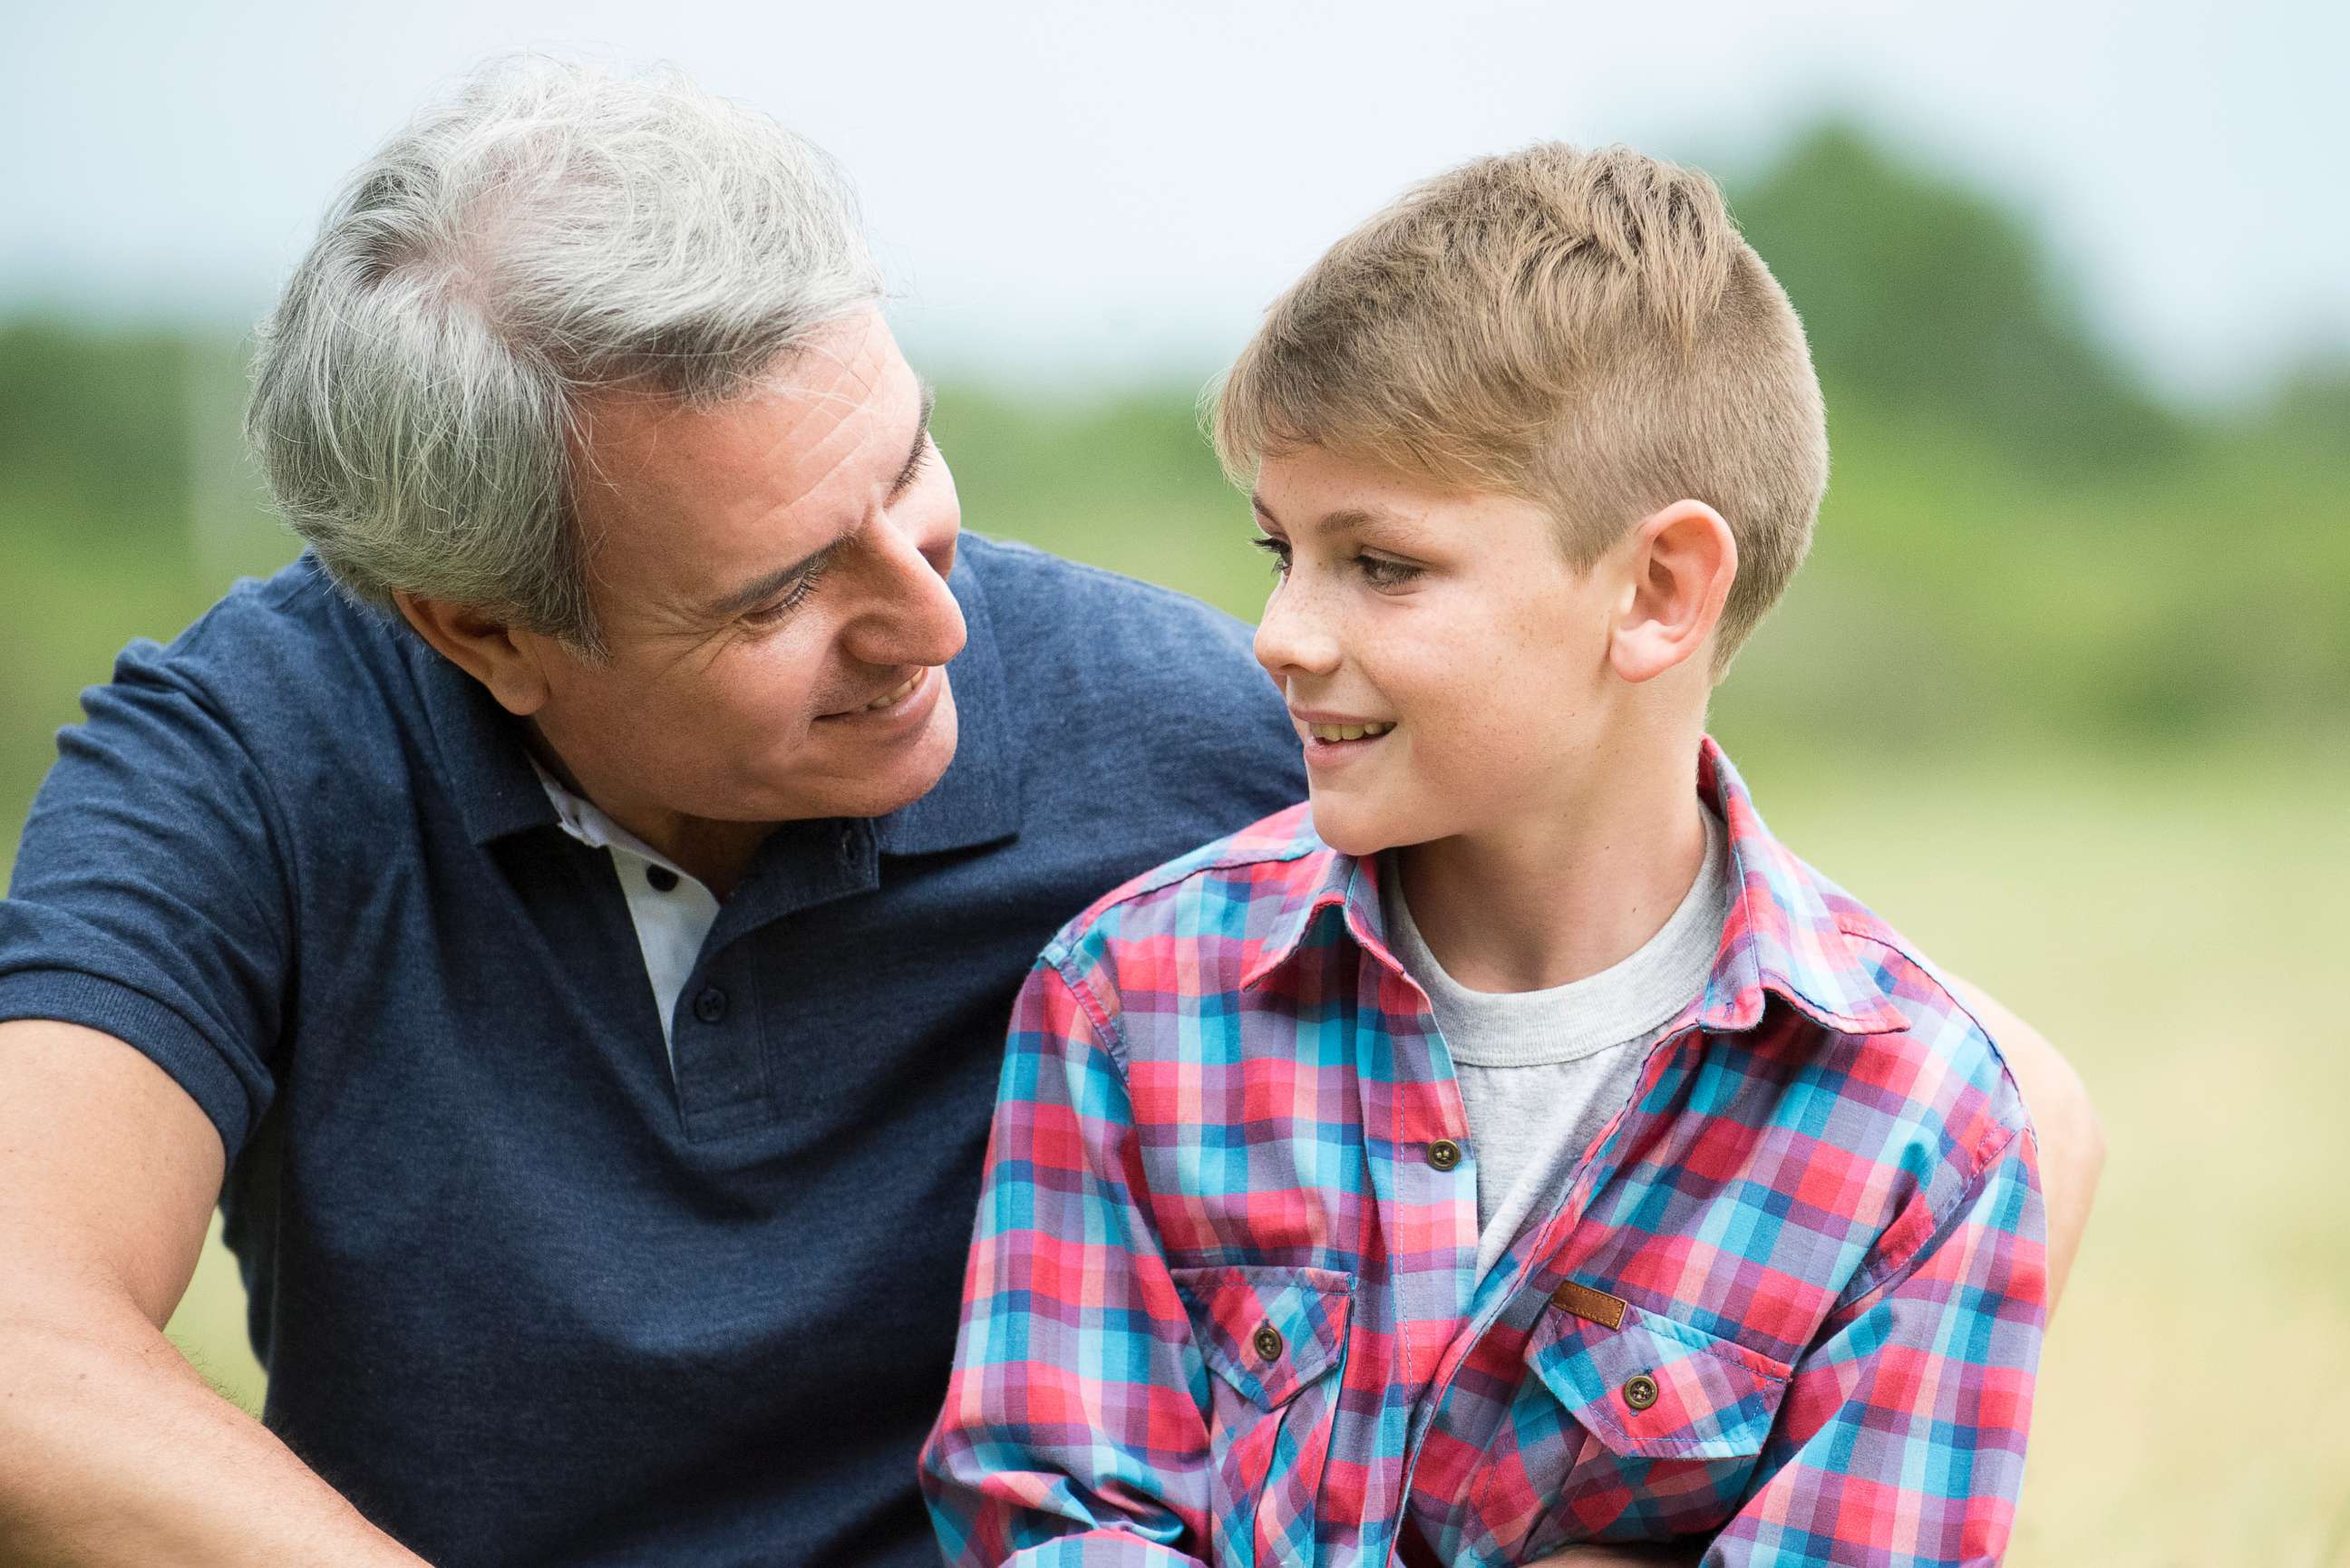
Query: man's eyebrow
[921, 441]
[759, 590]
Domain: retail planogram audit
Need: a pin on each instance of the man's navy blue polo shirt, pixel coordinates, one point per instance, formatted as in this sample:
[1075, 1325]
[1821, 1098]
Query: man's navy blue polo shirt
[522, 1297]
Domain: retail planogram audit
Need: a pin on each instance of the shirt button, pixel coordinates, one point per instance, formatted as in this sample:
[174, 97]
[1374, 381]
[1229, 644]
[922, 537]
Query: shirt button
[1641, 1391]
[847, 841]
[1267, 1342]
[660, 878]
[1444, 1154]
[711, 1005]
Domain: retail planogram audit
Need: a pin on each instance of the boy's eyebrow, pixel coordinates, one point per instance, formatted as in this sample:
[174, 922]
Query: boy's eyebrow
[1344, 520]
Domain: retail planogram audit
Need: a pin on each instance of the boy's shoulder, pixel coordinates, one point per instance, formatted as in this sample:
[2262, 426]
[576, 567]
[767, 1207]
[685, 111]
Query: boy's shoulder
[1897, 1071]
[1224, 895]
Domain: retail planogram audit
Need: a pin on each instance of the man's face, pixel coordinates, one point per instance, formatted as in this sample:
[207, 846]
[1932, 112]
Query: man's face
[771, 574]
[1449, 633]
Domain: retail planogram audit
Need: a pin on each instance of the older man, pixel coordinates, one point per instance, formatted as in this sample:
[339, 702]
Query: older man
[574, 953]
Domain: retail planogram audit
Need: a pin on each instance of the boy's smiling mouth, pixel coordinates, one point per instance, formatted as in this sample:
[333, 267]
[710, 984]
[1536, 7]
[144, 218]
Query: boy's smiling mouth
[1329, 735]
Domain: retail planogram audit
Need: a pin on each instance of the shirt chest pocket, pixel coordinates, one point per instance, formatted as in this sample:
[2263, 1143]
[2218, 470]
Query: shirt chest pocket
[1274, 1341]
[1638, 1430]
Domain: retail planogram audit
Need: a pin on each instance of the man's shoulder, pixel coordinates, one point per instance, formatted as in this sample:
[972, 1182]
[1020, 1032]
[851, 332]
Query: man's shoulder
[283, 674]
[1044, 603]
[1135, 699]
[287, 643]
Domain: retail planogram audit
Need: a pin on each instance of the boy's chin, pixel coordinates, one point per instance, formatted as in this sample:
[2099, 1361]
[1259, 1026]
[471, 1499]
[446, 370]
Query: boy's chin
[1347, 827]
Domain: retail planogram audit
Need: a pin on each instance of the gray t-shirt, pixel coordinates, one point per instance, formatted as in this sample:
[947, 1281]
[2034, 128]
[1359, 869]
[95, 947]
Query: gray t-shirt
[1542, 1071]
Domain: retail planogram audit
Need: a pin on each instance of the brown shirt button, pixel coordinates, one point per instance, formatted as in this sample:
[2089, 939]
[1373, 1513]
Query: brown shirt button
[1268, 1342]
[1444, 1154]
[1639, 1391]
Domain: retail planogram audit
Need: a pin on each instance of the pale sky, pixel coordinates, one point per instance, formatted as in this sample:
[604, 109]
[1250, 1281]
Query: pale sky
[1100, 188]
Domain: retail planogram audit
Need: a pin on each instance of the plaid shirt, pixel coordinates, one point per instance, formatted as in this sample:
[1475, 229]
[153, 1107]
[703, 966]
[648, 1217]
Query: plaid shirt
[1223, 1304]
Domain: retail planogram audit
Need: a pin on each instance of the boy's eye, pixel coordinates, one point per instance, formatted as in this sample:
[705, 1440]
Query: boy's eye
[1278, 549]
[1382, 572]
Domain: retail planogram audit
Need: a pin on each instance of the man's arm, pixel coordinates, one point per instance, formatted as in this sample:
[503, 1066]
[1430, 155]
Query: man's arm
[112, 1449]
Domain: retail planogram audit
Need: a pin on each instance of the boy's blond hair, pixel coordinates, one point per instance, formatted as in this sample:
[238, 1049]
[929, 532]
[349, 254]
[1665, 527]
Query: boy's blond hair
[1586, 331]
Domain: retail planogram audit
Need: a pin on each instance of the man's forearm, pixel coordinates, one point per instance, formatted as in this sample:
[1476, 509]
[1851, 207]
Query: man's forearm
[114, 1452]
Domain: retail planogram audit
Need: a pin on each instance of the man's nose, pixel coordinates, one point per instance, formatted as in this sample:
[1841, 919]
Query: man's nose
[1294, 636]
[911, 616]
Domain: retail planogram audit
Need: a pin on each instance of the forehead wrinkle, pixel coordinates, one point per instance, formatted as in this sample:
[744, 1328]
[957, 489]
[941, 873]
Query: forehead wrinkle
[766, 461]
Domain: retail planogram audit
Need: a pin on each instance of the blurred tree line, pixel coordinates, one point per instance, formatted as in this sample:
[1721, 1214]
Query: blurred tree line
[2022, 543]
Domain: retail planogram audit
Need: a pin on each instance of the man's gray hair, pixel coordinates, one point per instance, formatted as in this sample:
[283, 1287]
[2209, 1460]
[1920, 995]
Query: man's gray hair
[551, 228]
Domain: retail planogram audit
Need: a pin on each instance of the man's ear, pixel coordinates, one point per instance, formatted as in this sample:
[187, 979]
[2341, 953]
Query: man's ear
[1682, 560]
[508, 661]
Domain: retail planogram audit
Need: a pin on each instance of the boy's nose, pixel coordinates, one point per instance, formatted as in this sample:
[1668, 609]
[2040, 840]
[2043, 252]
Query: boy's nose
[1290, 638]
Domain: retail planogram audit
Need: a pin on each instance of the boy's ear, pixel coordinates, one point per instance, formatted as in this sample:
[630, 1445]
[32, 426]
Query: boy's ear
[1681, 561]
[505, 661]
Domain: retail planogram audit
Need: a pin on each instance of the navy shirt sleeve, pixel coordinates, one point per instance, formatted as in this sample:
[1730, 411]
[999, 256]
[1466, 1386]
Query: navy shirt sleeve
[149, 897]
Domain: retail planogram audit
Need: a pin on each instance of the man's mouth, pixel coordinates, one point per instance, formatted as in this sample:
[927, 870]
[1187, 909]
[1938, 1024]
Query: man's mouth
[896, 694]
[888, 699]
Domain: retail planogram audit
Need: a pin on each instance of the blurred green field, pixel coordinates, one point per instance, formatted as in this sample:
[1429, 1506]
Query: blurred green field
[2169, 913]
[2064, 691]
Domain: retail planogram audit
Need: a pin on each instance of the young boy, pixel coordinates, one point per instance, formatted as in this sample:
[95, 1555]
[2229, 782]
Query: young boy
[1514, 1146]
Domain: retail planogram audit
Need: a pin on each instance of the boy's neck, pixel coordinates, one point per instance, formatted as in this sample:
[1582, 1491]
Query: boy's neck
[1563, 896]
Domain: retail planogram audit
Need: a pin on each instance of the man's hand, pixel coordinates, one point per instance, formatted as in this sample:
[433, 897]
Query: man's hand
[112, 1449]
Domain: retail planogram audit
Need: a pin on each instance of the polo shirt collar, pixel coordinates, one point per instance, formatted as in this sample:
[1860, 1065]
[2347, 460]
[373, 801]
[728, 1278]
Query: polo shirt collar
[977, 801]
[1785, 934]
[483, 758]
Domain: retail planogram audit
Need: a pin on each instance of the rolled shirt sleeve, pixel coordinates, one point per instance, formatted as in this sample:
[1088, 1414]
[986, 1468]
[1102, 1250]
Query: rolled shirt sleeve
[1074, 1430]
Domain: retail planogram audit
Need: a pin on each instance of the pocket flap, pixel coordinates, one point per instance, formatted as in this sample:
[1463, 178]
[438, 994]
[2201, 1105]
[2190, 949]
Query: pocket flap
[1653, 1387]
[1233, 1307]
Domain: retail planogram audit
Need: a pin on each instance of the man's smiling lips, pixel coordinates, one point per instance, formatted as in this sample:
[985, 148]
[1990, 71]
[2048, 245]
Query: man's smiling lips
[885, 705]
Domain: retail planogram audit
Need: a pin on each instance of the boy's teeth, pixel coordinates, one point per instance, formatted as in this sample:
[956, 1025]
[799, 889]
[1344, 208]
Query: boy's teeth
[1348, 731]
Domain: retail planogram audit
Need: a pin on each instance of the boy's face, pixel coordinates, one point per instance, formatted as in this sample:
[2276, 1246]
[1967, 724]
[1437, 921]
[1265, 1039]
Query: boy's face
[1449, 634]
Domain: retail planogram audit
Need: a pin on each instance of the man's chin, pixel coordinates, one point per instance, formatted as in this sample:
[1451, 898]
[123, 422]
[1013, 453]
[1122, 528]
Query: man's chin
[910, 770]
